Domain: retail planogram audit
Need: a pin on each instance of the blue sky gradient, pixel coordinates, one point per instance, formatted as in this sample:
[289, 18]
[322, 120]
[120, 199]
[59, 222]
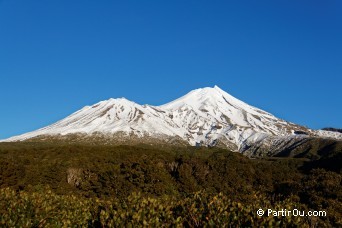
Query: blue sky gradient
[57, 56]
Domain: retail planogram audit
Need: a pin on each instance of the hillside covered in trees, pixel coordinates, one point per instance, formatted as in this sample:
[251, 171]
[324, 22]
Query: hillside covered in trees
[49, 183]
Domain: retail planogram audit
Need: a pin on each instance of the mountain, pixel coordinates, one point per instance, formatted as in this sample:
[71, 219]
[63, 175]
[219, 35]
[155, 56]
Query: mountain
[206, 116]
[332, 129]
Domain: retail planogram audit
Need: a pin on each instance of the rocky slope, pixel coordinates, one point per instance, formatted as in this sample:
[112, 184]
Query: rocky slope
[206, 116]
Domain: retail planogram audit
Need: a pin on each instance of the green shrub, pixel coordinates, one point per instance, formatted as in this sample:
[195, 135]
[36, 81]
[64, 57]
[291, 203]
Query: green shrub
[47, 209]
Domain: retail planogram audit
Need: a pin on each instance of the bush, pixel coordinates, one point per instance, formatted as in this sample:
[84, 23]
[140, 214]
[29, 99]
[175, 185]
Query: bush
[45, 208]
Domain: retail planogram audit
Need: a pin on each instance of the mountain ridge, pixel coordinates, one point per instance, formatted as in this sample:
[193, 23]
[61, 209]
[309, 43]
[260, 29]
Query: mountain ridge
[207, 116]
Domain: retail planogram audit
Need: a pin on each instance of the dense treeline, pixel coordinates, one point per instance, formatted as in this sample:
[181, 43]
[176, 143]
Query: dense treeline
[166, 176]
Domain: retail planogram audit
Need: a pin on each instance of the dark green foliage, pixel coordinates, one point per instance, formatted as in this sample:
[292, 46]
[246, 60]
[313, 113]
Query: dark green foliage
[166, 178]
[120, 170]
[43, 208]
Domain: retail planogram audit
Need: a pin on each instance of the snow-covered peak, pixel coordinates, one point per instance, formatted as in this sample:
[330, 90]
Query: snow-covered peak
[210, 95]
[216, 103]
[195, 98]
[206, 116]
[118, 101]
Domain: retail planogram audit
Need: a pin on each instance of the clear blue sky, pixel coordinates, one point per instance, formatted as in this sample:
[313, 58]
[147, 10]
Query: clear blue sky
[58, 56]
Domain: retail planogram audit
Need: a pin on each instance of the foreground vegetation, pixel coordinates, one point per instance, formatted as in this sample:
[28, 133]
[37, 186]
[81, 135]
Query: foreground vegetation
[44, 207]
[48, 184]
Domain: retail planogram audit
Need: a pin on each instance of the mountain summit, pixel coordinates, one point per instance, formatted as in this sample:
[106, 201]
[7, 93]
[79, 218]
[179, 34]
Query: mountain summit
[206, 116]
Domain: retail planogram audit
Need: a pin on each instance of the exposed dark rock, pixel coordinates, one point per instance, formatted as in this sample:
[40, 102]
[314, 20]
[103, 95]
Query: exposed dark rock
[332, 129]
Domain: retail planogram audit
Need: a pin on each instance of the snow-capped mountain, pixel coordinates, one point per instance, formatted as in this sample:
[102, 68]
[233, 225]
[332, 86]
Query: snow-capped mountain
[206, 116]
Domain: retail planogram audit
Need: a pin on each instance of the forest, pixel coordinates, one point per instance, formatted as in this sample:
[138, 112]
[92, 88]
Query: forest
[45, 184]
